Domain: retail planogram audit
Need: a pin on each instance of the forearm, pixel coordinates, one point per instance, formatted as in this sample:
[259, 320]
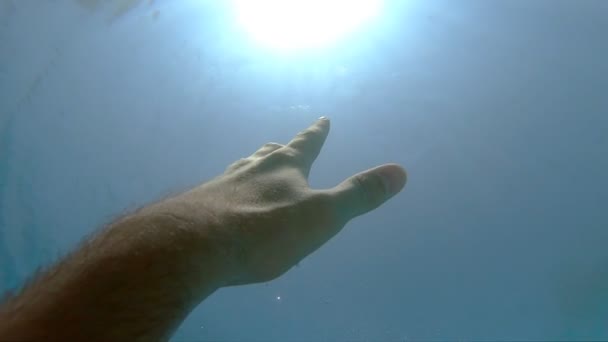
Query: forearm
[141, 276]
[137, 279]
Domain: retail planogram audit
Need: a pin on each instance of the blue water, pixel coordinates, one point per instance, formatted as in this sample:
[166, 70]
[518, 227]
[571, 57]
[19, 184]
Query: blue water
[498, 109]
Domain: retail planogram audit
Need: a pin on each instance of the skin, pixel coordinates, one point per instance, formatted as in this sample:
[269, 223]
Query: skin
[139, 277]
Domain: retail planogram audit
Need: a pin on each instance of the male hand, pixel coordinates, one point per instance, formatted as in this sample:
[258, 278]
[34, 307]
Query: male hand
[138, 278]
[266, 217]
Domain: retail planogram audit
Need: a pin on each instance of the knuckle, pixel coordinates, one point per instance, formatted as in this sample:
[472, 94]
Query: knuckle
[269, 147]
[237, 164]
[370, 188]
[307, 135]
[266, 149]
[286, 154]
[304, 134]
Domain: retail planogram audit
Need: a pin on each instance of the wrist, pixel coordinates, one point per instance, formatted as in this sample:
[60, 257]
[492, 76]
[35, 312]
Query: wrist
[188, 245]
[200, 235]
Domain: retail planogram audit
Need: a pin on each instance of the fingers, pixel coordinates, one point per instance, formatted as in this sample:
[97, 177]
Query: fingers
[305, 147]
[309, 142]
[263, 151]
[369, 189]
[266, 149]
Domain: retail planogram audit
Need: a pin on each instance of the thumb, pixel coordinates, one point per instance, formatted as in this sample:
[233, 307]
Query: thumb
[369, 189]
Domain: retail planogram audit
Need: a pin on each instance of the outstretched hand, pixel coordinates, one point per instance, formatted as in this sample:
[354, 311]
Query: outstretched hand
[267, 216]
[138, 278]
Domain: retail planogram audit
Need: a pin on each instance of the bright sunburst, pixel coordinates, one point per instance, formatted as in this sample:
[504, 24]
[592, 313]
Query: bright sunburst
[303, 24]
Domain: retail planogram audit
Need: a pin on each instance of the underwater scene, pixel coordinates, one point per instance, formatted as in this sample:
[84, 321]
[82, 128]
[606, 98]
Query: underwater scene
[460, 194]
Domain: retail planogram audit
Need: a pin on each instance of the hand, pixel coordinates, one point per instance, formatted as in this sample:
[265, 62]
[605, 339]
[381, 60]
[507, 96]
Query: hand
[268, 219]
[138, 278]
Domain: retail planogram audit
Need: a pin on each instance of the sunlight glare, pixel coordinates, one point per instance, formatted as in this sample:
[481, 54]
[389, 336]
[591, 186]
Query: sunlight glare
[303, 24]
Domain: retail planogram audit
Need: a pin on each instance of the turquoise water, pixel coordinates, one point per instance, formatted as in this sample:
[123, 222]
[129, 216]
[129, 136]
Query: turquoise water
[498, 109]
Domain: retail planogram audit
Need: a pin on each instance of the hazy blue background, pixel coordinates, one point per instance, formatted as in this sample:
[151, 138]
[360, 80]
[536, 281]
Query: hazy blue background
[498, 109]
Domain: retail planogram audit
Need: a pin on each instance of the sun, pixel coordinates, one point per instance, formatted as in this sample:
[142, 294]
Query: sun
[303, 24]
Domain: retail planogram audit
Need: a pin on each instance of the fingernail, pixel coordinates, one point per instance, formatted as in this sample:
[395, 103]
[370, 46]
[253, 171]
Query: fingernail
[393, 180]
[324, 118]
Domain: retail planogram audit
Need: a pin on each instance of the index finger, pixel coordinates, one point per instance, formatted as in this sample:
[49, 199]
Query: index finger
[309, 142]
